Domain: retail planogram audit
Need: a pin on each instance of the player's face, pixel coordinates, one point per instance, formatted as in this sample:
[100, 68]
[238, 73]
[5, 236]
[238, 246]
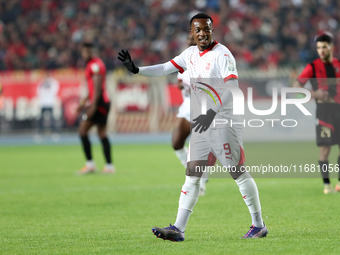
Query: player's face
[324, 50]
[86, 53]
[202, 31]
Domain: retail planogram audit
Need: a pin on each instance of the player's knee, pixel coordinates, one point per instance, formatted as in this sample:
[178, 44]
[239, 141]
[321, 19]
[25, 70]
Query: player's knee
[82, 132]
[177, 145]
[176, 141]
[101, 132]
[238, 171]
[104, 139]
[102, 135]
[195, 170]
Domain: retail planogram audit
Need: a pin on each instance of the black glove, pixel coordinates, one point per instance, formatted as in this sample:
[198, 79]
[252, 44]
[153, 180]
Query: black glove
[125, 57]
[202, 122]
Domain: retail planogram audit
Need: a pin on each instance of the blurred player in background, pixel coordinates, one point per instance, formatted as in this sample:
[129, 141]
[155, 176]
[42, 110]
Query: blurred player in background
[1, 104]
[209, 59]
[47, 94]
[95, 108]
[181, 130]
[322, 74]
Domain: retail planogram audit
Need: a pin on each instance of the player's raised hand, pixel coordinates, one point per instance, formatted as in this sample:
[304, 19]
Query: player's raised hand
[203, 122]
[320, 94]
[125, 57]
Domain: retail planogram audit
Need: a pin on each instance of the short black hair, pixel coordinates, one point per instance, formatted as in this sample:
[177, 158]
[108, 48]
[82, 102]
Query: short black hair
[88, 45]
[201, 15]
[324, 37]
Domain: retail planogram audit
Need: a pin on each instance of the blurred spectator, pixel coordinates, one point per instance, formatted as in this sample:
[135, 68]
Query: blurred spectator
[1, 105]
[263, 33]
[1, 98]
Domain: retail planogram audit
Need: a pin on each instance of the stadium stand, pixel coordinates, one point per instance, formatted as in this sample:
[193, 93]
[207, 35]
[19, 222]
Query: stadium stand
[262, 34]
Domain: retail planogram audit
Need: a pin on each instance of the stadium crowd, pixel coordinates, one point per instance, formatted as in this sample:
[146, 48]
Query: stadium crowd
[264, 33]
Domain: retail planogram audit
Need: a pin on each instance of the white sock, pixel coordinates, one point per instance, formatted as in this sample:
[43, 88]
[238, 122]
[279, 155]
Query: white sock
[250, 194]
[257, 220]
[182, 155]
[187, 201]
[90, 163]
[109, 166]
[182, 218]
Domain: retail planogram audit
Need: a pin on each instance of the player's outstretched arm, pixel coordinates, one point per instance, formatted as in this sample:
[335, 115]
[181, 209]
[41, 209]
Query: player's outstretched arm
[125, 57]
[153, 71]
[317, 94]
[81, 105]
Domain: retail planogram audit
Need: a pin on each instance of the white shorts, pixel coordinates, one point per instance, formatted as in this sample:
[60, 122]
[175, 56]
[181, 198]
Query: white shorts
[224, 143]
[184, 109]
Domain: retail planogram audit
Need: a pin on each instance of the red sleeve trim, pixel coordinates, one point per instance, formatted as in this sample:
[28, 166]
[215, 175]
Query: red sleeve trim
[180, 69]
[232, 76]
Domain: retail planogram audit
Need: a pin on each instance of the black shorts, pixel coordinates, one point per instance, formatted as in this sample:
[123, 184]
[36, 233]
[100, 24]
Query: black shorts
[327, 124]
[101, 115]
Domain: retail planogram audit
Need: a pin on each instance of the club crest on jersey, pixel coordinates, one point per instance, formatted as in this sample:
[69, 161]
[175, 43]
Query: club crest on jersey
[208, 66]
[231, 66]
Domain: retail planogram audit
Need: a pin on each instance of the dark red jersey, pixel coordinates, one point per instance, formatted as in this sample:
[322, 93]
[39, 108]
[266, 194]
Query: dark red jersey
[323, 76]
[96, 66]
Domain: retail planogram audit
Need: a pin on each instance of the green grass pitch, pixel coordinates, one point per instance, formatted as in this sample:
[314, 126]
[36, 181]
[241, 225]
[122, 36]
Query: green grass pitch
[46, 209]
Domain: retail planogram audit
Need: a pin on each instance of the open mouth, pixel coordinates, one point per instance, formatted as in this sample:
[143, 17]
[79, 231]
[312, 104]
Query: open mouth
[203, 40]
